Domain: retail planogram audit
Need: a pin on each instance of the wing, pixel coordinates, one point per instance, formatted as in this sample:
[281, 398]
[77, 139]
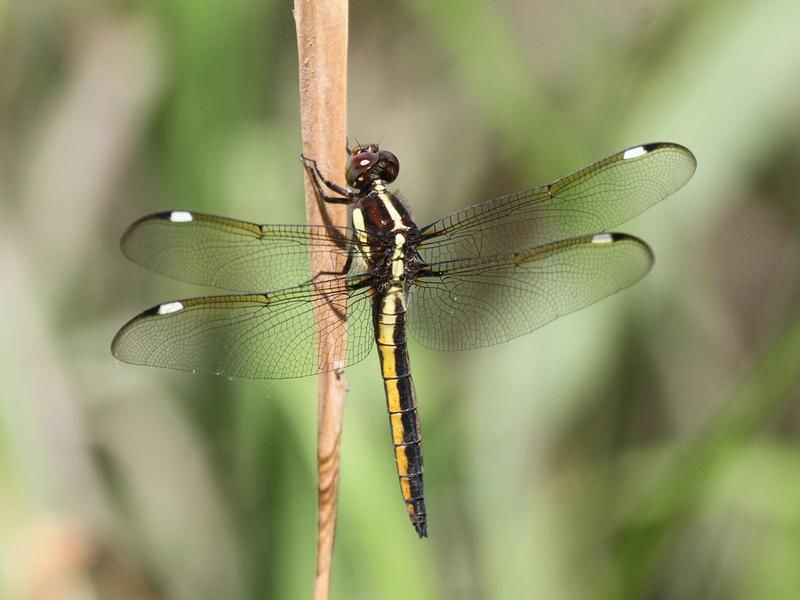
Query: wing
[471, 303]
[592, 200]
[230, 254]
[263, 336]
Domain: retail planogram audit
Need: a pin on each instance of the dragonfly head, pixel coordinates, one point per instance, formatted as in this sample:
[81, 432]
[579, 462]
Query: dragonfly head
[369, 163]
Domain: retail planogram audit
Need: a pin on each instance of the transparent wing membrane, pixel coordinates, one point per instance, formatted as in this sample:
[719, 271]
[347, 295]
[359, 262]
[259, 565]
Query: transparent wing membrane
[233, 255]
[472, 303]
[269, 336]
[594, 199]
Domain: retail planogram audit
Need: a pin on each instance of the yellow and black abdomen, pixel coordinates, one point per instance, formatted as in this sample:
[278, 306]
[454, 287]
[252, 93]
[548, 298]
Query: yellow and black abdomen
[401, 401]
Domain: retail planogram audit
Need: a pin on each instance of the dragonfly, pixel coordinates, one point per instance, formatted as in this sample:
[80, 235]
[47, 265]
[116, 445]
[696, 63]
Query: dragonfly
[480, 276]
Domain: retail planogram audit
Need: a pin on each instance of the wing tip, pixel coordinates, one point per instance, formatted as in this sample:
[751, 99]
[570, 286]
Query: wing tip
[118, 342]
[172, 216]
[615, 237]
[648, 148]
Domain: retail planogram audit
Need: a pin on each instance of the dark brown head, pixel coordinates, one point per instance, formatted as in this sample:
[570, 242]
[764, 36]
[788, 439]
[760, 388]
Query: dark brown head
[369, 163]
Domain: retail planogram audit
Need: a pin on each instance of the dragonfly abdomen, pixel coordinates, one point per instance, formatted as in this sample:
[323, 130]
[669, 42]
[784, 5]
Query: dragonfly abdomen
[401, 401]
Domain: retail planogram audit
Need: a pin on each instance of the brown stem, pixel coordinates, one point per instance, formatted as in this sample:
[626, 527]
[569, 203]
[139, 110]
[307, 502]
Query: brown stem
[322, 57]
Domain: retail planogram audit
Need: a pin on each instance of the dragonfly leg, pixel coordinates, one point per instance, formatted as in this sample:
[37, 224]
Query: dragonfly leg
[319, 180]
[344, 271]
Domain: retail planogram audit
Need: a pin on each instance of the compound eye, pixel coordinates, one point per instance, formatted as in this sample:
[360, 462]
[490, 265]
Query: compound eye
[390, 165]
[359, 163]
[364, 160]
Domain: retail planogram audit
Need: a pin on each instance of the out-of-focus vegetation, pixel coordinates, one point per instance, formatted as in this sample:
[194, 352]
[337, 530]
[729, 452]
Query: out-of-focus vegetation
[647, 447]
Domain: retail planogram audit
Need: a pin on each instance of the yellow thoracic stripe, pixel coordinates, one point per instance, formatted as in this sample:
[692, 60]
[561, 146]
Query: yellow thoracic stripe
[398, 267]
[380, 189]
[358, 223]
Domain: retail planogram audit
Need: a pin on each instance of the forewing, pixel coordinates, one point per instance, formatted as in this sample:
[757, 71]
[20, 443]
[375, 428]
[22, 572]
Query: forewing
[594, 199]
[269, 336]
[231, 254]
[472, 303]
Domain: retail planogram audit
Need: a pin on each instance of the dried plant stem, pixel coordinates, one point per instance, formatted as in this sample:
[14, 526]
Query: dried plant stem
[322, 56]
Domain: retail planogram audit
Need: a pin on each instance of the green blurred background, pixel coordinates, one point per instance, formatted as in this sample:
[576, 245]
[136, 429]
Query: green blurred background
[647, 447]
